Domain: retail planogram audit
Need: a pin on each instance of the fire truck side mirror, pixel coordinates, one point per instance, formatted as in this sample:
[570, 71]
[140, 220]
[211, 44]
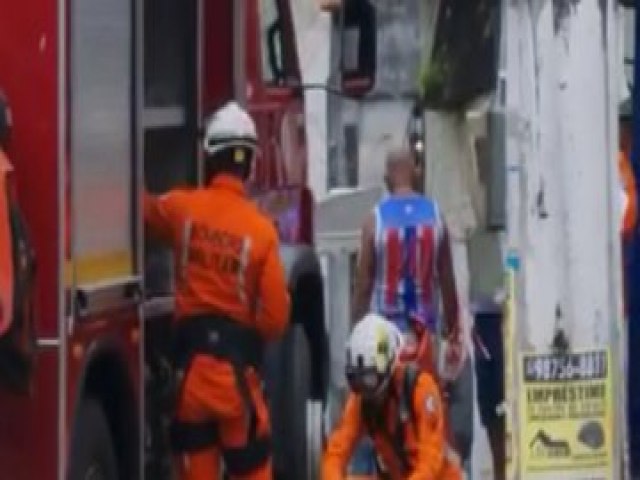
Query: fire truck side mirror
[358, 47]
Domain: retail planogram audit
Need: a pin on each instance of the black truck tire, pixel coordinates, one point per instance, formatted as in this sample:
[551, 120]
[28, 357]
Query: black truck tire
[92, 452]
[288, 376]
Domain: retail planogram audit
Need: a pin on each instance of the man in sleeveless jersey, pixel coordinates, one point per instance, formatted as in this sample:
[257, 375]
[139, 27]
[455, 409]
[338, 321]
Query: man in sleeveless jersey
[404, 268]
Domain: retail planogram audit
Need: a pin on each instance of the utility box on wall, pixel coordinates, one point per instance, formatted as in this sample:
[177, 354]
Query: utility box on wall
[496, 185]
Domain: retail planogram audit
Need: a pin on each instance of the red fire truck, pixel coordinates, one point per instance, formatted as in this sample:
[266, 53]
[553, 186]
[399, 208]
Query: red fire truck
[108, 96]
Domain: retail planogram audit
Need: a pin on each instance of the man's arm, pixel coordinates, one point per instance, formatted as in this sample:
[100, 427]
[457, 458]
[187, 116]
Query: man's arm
[430, 439]
[273, 298]
[342, 441]
[365, 271]
[447, 282]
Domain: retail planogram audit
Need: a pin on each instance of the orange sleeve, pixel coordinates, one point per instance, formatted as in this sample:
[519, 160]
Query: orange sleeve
[365, 271]
[342, 441]
[161, 213]
[273, 296]
[446, 275]
[430, 423]
[629, 183]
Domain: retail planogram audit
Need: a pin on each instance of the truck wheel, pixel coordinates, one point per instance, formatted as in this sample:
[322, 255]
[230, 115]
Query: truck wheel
[315, 438]
[289, 382]
[92, 454]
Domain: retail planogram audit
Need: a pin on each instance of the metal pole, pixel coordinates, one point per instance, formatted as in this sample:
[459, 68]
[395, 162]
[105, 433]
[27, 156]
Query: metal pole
[417, 135]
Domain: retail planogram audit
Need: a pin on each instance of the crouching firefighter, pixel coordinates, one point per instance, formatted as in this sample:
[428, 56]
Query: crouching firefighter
[231, 297]
[396, 404]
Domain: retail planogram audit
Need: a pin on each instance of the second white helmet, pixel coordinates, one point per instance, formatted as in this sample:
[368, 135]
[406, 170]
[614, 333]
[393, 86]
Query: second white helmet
[230, 126]
[372, 351]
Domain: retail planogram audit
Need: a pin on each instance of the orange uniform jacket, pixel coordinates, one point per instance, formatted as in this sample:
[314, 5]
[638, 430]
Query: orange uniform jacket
[630, 214]
[226, 253]
[424, 442]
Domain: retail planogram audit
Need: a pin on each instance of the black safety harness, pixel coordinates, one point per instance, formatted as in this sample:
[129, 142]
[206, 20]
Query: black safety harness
[375, 424]
[225, 339]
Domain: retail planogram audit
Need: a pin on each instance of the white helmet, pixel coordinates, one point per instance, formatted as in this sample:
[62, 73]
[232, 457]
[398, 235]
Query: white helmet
[230, 126]
[372, 350]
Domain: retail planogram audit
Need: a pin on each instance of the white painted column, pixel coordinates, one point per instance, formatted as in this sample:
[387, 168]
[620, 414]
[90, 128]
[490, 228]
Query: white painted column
[562, 219]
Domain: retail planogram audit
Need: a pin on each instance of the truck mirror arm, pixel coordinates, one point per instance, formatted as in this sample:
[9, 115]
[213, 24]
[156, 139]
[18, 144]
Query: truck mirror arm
[301, 88]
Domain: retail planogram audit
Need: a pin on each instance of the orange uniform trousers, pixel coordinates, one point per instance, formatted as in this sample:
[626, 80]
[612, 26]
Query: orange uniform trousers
[209, 392]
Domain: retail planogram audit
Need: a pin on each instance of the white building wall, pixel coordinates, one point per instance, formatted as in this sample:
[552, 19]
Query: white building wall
[563, 222]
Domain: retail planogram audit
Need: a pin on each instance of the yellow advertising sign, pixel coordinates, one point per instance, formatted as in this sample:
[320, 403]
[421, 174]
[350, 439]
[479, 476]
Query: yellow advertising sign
[566, 416]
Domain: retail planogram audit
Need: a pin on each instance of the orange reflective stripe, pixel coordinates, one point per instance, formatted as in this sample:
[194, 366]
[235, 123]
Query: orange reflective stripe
[184, 257]
[242, 270]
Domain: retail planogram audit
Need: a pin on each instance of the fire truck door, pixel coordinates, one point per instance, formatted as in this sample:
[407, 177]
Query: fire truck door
[102, 158]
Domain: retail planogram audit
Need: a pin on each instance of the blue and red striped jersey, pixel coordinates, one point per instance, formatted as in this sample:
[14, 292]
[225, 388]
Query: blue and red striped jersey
[407, 237]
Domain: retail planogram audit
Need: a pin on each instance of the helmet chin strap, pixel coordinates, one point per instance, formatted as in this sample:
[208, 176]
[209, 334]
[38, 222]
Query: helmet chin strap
[380, 392]
[382, 389]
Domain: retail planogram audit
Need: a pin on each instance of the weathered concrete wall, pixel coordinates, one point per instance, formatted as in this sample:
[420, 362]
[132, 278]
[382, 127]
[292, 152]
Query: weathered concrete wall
[453, 179]
[563, 224]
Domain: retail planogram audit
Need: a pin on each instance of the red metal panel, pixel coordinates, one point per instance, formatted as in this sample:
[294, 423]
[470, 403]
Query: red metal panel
[28, 74]
[120, 331]
[218, 54]
[28, 426]
[253, 49]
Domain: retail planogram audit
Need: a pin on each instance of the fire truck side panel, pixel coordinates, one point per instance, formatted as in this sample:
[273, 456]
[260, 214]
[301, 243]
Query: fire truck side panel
[100, 133]
[103, 349]
[273, 96]
[104, 364]
[218, 54]
[28, 426]
[28, 74]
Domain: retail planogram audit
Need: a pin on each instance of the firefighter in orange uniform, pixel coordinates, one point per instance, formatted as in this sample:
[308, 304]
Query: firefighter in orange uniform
[628, 194]
[630, 202]
[231, 297]
[396, 404]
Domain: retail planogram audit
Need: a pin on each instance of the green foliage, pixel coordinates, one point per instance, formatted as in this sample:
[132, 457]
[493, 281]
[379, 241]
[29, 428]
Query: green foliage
[463, 62]
[434, 76]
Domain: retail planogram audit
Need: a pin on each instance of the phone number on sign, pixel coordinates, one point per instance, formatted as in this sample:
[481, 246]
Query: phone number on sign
[572, 366]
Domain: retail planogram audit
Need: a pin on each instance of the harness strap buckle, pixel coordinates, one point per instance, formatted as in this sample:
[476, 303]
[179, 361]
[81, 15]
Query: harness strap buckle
[192, 436]
[240, 461]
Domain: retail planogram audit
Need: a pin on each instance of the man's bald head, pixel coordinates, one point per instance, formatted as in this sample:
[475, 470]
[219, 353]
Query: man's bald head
[401, 171]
